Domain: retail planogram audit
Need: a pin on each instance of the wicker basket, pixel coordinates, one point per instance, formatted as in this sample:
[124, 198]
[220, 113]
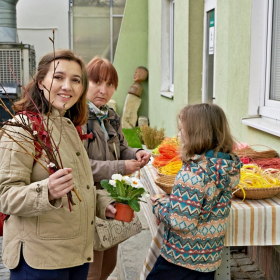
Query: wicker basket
[166, 182]
[256, 193]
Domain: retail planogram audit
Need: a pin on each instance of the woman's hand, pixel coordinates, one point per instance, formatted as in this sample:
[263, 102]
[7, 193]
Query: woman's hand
[110, 211]
[60, 183]
[143, 157]
[131, 166]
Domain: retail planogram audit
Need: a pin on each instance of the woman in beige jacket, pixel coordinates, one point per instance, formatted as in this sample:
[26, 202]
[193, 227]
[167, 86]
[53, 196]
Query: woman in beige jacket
[108, 150]
[42, 239]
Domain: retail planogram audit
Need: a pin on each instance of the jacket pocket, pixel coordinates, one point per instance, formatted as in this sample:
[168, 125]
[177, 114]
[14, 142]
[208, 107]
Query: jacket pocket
[60, 223]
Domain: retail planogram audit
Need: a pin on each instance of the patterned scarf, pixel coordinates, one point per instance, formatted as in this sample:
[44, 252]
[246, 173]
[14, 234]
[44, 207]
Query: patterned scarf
[101, 114]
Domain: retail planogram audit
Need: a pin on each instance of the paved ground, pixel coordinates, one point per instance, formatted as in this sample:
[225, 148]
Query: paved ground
[242, 267]
[133, 251]
[4, 272]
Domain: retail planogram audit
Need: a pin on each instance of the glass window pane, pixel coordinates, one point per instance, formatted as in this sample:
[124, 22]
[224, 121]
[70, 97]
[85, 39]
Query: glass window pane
[275, 57]
[172, 16]
[116, 30]
[210, 52]
[118, 7]
[91, 3]
[91, 29]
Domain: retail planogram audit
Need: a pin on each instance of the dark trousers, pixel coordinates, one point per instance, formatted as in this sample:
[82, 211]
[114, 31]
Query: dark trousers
[164, 270]
[24, 272]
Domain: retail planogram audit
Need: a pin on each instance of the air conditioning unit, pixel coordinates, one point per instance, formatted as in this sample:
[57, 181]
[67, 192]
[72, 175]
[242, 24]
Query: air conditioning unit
[22, 59]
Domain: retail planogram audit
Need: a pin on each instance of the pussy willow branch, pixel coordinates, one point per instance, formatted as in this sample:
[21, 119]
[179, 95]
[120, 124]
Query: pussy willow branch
[50, 154]
[34, 138]
[30, 154]
[38, 111]
[54, 69]
[46, 124]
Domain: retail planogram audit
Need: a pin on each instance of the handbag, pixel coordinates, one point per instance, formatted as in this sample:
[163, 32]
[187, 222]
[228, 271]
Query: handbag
[109, 233]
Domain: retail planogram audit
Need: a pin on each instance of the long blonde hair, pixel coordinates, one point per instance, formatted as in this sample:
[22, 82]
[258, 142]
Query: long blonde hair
[204, 127]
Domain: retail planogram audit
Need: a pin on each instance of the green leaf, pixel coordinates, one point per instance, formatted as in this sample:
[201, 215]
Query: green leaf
[120, 188]
[136, 193]
[124, 198]
[134, 204]
[105, 184]
[110, 189]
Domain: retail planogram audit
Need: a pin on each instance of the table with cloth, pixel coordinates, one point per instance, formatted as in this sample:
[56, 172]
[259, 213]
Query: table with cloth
[251, 223]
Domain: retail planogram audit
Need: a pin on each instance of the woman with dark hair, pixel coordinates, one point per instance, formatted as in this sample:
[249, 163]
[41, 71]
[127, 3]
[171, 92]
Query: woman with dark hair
[42, 238]
[108, 150]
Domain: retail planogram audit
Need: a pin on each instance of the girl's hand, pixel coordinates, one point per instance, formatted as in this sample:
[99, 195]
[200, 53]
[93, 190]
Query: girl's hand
[153, 200]
[156, 197]
[158, 221]
[60, 183]
[110, 211]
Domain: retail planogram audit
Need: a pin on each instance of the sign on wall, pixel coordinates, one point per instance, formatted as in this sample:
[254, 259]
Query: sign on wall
[211, 34]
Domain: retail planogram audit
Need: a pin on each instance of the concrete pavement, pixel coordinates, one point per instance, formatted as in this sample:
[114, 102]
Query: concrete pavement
[132, 253]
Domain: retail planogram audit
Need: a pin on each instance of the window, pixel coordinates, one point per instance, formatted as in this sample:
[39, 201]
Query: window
[264, 91]
[167, 48]
[270, 106]
[95, 26]
[171, 85]
[208, 88]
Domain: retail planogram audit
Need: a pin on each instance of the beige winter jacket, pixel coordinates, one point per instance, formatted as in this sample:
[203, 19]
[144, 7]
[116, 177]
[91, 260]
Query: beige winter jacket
[51, 236]
[101, 151]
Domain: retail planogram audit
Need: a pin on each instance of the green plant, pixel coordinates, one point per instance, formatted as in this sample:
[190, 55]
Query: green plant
[124, 189]
[151, 136]
[139, 133]
[132, 138]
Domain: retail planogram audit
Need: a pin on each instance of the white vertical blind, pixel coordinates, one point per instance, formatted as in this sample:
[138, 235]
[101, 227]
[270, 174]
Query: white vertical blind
[275, 54]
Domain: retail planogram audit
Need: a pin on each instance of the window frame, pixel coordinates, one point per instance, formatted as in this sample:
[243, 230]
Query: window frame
[171, 25]
[269, 108]
[111, 17]
[208, 6]
[167, 57]
[262, 114]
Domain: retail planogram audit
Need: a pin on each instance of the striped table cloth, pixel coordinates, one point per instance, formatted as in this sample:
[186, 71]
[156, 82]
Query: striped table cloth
[251, 223]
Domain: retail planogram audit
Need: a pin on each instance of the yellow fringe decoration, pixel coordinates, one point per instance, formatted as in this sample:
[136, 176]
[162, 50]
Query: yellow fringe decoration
[172, 168]
[252, 176]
